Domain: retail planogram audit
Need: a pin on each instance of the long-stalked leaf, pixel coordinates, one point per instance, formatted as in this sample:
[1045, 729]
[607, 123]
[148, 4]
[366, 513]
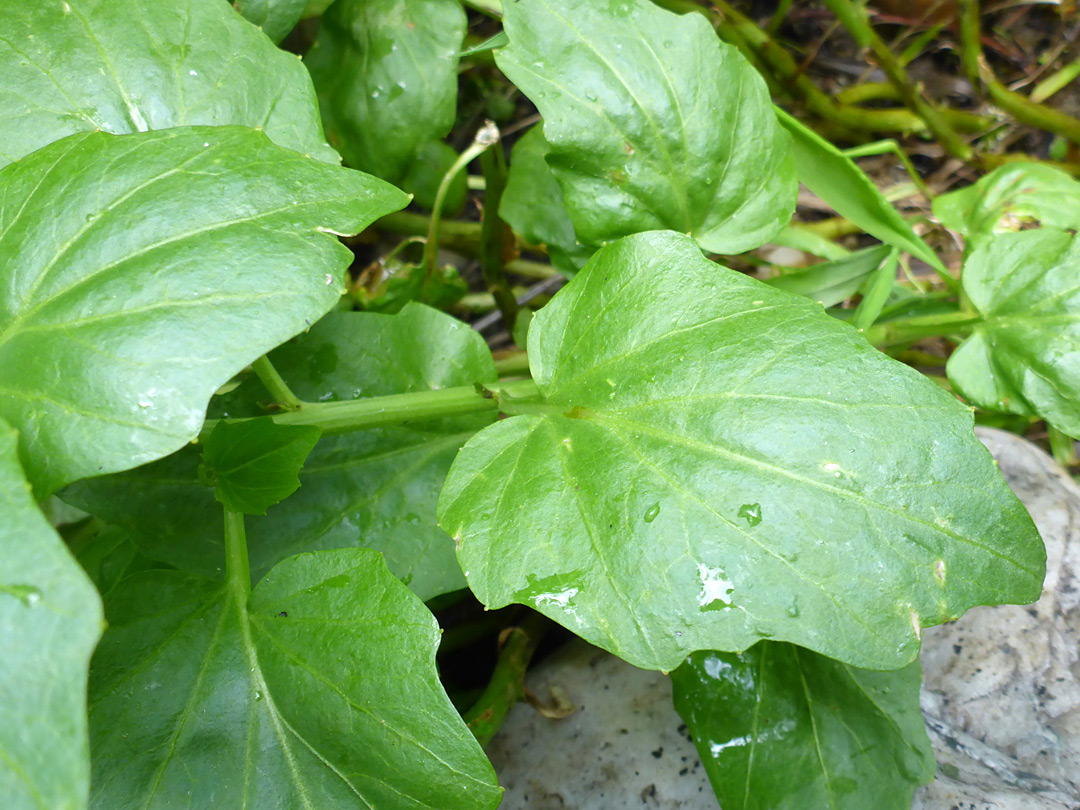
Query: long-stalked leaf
[319, 691]
[652, 122]
[131, 267]
[705, 451]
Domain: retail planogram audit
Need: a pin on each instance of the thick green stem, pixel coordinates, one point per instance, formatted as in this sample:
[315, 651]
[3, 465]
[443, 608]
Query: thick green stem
[516, 363]
[507, 684]
[909, 330]
[399, 409]
[237, 569]
[494, 235]
[853, 17]
[283, 396]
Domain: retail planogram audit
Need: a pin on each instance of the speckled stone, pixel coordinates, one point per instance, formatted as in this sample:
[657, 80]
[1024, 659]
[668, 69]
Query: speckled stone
[1001, 698]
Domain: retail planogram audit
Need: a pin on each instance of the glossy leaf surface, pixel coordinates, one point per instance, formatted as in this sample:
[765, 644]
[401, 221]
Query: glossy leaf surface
[713, 461]
[386, 75]
[837, 180]
[50, 620]
[132, 266]
[253, 465]
[376, 488]
[652, 121]
[275, 18]
[126, 66]
[532, 204]
[318, 691]
[1015, 193]
[783, 728]
[1025, 357]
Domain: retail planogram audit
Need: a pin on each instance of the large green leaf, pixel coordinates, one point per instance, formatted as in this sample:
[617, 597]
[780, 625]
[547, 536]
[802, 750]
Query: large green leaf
[386, 74]
[834, 177]
[842, 738]
[533, 204]
[1017, 191]
[275, 18]
[320, 691]
[126, 66]
[652, 121]
[142, 271]
[50, 620]
[713, 461]
[1025, 357]
[253, 464]
[376, 488]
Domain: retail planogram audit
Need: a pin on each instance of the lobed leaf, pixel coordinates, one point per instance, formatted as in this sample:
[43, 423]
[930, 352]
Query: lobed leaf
[318, 691]
[131, 265]
[843, 738]
[1014, 192]
[386, 75]
[652, 122]
[706, 451]
[1025, 356]
[253, 465]
[50, 620]
[376, 488]
[124, 66]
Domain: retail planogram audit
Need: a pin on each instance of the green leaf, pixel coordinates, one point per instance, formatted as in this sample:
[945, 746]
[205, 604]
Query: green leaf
[433, 160]
[375, 488]
[131, 267]
[275, 18]
[318, 691]
[109, 556]
[829, 283]
[386, 75]
[532, 204]
[50, 620]
[836, 179]
[404, 283]
[254, 464]
[652, 121]
[1016, 191]
[1025, 357]
[706, 451]
[842, 738]
[125, 66]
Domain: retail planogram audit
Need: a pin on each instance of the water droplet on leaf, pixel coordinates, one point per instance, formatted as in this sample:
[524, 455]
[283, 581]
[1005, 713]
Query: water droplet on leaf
[652, 512]
[751, 513]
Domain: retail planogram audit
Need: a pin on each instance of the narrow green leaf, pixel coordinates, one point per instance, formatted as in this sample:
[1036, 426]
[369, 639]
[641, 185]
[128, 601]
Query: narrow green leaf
[876, 291]
[843, 738]
[320, 691]
[275, 18]
[705, 450]
[829, 283]
[835, 178]
[491, 43]
[532, 204]
[810, 242]
[1025, 357]
[373, 488]
[1016, 192]
[652, 121]
[131, 265]
[254, 465]
[50, 620]
[386, 75]
[125, 66]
